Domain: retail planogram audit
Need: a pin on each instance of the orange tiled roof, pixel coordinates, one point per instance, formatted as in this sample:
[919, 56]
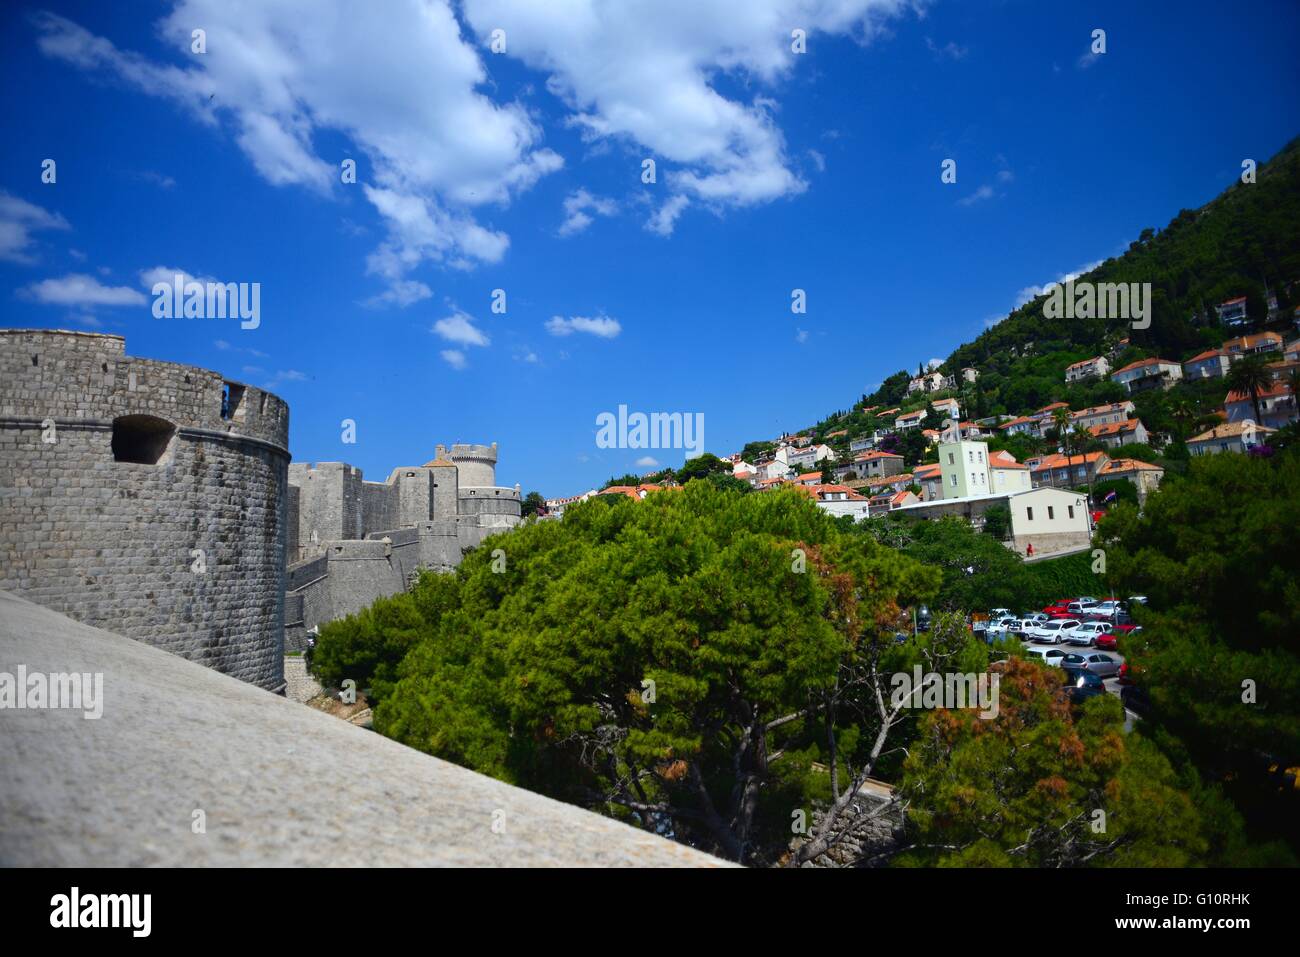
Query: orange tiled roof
[1056, 460]
[1114, 428]
[1143, 363]
[1128, 465]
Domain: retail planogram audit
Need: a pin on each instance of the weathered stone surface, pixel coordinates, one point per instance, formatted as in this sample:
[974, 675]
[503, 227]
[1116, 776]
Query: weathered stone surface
[279, 784]
[875, 832]
[112, 543]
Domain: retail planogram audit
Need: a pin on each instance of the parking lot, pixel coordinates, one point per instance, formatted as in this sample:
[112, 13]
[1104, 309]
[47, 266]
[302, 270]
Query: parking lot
[1079, 617]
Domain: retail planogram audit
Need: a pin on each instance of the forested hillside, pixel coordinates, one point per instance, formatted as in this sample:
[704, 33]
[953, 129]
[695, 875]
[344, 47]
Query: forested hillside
[1243, 242]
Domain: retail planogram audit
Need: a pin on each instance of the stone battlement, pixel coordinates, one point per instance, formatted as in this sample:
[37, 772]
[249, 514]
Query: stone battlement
[145, 496]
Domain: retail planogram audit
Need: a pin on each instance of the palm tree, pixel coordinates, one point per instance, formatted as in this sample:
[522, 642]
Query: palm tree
[1061, 419]
[1249, 375]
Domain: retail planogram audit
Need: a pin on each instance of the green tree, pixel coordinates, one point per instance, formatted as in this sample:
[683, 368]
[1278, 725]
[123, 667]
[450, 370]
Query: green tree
[1042, 785]
[703, 466]
[699, 657]
[1250, 376]
[533, 503]
[1217, 555]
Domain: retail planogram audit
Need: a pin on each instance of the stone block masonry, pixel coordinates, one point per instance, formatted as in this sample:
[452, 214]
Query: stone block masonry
[146, 497]
[358, 541]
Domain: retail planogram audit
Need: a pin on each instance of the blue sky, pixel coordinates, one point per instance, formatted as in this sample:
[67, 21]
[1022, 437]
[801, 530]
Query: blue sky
[776, 171]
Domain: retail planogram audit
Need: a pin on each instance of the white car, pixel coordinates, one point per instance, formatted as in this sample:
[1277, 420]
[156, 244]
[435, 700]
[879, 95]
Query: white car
[1048, 656]
[1052, 632]
[1081, 606]
[1034, 617]
[1104, 609]
[999, 626]
[1088, 632]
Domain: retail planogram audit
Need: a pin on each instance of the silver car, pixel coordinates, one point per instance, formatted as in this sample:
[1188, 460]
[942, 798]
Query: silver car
[1103, 666]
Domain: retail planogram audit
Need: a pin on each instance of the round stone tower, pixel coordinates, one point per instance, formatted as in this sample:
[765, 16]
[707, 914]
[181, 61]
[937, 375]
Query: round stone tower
[476, 464]
[145, 498]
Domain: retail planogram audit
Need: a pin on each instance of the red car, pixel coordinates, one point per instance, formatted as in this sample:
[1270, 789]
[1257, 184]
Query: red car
[1057, 608]
[1105, 642]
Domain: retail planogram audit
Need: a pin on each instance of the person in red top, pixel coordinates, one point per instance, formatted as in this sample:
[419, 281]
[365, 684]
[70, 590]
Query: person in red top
[1029, 551]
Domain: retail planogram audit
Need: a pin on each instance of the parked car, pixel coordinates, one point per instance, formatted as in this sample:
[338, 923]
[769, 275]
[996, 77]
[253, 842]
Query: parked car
[1106, 642]
[1048, 656]
[995, 613]
[1081, 607]
[1056, 608]
[1088, 632]
[1082, 685]
[1052, 632]
[1033, 617]
[1136, 699]
[1137, 599]
[1094, 661]
[1104, 609]
[997, 627]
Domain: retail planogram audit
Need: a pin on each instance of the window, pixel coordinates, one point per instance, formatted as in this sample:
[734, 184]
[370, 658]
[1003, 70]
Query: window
[950, 458]
[1029, 514]
[1051, 513]
[141, 439]
[1070, 510]
[970, 455]
[954, 479]
[231, 395]
[972, 478]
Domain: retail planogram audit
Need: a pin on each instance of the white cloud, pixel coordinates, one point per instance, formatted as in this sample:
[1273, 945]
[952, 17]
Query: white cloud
[801, 336]
[602, 326]
[647, 461]
[18, 220]
[158, 179]
[576, 205]
[818, 159]
[402, 293]
[985, 192]
[934, 363]
[282, 75]
[454, 358]
[78, 289]
[664, 219]
[168, 274]
[460, 329]
[645, 74]
[949, 50]
[1033, 292]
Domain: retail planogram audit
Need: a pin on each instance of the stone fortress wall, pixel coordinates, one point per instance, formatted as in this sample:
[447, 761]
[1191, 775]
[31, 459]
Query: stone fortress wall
[352, 541]
[114, 470]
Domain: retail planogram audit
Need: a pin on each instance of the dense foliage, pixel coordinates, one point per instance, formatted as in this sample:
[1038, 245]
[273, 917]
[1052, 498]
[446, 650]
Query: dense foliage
[1217, 553]
[1040, 785]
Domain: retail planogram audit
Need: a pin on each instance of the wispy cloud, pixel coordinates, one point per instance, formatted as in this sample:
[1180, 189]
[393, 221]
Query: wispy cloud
[78, 289]
[576, 215]
[602, 326]
[983, 194]
[460, 329]
[18, 220]
[949, 51]
[454, 358]
[1029, 293]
